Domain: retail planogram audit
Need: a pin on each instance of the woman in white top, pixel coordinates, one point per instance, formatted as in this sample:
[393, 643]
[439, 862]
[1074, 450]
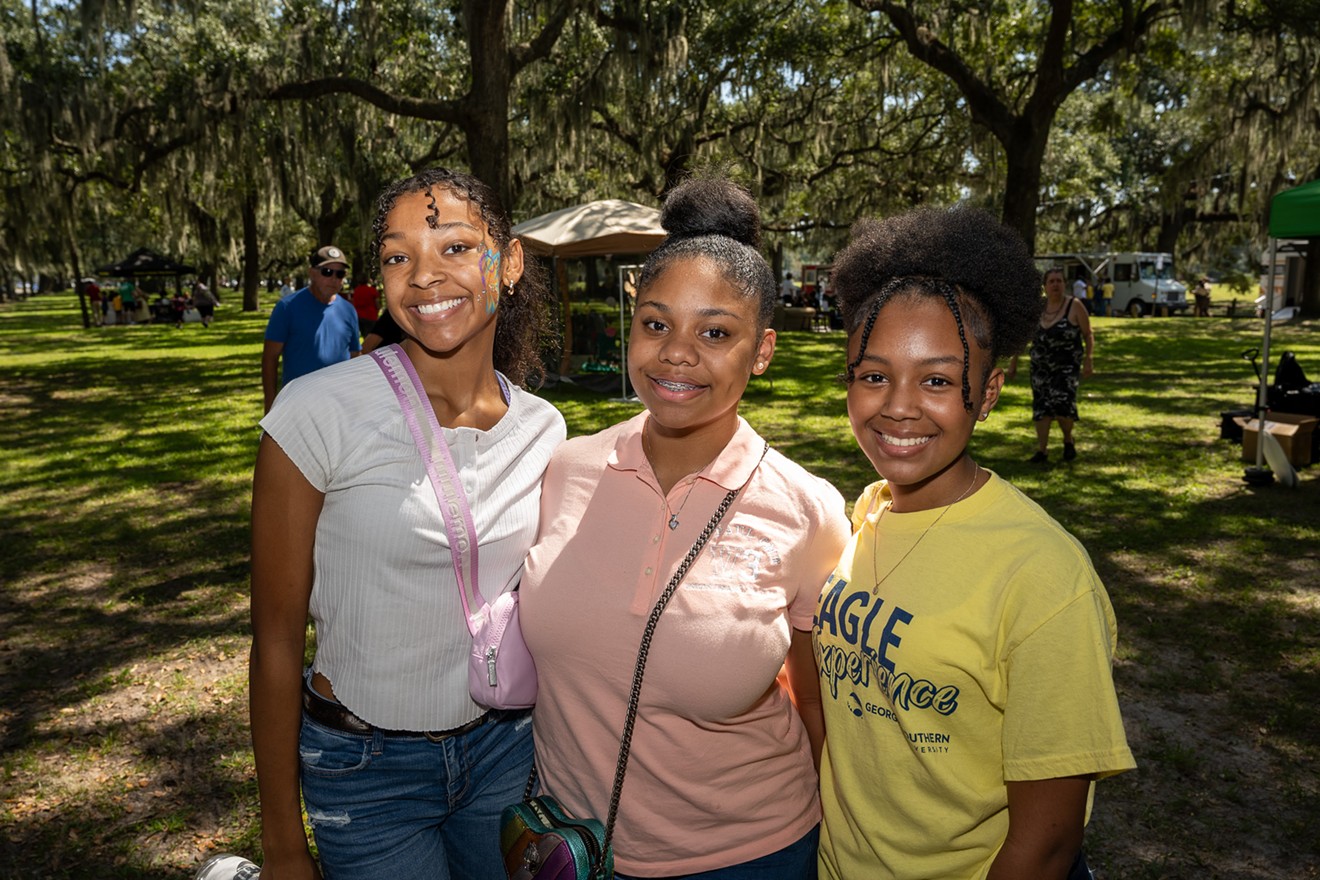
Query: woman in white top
[403, 774]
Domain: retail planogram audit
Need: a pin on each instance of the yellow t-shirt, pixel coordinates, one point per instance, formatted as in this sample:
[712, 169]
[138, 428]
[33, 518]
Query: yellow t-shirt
[982, 657]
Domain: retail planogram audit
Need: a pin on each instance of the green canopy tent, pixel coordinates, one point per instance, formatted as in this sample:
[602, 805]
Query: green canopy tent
[1294, 213]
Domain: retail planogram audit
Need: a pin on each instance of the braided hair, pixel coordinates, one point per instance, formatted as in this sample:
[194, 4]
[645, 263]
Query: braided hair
[716, 219]
[980, 268]
[522, 325]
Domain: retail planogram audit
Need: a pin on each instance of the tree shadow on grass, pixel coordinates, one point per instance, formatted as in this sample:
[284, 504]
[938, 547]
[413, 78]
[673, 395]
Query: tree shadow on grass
[169, 787]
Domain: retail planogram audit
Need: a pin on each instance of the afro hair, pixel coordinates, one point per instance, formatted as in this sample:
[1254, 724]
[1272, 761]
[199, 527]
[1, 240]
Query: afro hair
[986, 262]
[716, 219]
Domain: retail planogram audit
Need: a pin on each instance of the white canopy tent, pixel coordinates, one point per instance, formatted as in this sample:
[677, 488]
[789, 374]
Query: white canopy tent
[595, 229]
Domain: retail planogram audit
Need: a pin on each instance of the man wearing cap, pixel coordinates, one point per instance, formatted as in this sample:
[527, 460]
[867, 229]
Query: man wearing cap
[313, 328]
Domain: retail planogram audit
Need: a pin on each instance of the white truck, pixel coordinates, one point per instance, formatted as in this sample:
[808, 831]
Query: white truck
[1143, 282]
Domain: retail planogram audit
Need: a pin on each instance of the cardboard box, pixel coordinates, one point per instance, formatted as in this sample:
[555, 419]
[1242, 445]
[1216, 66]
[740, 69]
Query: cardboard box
[1292, 431]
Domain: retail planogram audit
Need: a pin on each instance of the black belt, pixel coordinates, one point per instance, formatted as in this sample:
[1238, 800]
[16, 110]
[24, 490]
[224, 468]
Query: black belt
[337, 717]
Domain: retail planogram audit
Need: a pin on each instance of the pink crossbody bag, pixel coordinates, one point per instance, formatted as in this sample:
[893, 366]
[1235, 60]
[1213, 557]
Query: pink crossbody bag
[501, 674]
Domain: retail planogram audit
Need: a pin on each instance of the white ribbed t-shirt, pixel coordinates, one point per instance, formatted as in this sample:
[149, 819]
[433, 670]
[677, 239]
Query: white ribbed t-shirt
[390, 633]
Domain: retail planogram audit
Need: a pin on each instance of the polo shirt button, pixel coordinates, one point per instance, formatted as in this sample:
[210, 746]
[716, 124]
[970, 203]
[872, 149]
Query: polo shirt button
[649, 569]
[655, 540]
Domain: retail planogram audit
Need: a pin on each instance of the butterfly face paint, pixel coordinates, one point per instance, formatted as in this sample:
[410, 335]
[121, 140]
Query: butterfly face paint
[490, 278]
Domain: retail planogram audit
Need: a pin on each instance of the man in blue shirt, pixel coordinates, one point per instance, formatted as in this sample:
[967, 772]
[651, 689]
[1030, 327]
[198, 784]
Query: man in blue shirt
[313, 328]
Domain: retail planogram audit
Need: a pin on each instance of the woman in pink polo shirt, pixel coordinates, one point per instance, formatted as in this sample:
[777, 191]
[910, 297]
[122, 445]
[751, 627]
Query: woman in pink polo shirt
[721, 782]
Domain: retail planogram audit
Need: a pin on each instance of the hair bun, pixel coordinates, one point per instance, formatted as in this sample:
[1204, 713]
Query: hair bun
[711, 206]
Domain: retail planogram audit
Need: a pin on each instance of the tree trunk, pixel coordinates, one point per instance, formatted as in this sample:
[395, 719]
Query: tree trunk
[1025, 152]
[486, 105]
[592, 270]
[566, 307]
[331, 216]
[75, 262]
[251, 253]
[1172, 224]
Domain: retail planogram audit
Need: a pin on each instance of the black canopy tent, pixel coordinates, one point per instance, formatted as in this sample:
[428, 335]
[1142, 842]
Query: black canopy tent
[145, 263]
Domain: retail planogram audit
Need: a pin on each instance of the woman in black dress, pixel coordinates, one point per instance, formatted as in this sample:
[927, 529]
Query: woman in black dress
[1060, 359]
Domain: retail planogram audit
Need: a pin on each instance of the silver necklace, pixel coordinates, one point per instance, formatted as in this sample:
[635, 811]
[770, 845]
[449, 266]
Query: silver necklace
[1050, 322]
[673, 515]
[876, 551]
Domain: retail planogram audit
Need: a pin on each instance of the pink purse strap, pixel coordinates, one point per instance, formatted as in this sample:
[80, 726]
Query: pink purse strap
[430, 441]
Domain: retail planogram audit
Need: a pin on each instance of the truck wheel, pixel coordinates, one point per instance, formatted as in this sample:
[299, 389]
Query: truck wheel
[1136, 309]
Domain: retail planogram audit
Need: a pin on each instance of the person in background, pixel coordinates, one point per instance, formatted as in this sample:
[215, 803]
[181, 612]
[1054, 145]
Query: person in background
[1082, 292]
[1104, 296]
[404, 775]
[312, 329]
[385, 332]
[366, 301]
[1201, 298]
[965, 642]
[788, 290]
[721, 782]
[1061, 356]
[178, 305]
[128, 292]
[94, 300]
[286, 287]
[204, 301]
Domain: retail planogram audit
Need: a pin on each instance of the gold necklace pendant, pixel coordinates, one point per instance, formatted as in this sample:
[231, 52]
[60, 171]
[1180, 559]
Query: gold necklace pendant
[876, 549]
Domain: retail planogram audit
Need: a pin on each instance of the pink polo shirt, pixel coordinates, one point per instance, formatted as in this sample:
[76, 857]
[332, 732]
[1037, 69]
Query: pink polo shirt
[721, 769]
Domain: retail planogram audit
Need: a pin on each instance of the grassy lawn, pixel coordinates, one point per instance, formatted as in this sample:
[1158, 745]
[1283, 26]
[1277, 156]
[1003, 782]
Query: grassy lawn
[123, 634]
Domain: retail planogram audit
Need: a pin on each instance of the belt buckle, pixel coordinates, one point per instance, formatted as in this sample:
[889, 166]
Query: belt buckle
[436, 736]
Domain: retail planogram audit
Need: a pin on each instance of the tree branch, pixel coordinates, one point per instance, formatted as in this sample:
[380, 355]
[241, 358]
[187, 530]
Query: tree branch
[987, 108]
[541, 45]
[414, 108]
[1089, 62]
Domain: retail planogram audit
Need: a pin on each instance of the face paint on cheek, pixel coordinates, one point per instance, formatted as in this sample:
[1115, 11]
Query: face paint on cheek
[490, 278]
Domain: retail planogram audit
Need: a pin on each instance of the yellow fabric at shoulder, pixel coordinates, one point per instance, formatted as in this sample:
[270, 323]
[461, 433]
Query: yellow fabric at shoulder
[868, 503]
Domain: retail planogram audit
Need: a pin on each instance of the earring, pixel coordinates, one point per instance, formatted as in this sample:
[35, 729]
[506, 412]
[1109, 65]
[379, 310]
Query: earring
[760, 365]
[985, 414]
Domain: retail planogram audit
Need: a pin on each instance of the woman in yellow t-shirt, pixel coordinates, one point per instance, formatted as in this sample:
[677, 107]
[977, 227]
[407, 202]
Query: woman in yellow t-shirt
[964, 640]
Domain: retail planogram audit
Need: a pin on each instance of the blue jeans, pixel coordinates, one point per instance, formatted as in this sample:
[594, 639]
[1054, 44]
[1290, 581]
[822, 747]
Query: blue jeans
[797, 861]
[407, 808]
[1080, 870]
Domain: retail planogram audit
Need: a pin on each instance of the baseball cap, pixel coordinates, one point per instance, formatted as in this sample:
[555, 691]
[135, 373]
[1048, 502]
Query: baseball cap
[328, 254]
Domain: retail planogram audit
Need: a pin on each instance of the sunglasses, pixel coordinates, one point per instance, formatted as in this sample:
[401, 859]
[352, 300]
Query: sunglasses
[338, 273]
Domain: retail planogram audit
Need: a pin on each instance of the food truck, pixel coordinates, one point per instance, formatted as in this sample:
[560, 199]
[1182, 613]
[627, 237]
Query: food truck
[1144, 283]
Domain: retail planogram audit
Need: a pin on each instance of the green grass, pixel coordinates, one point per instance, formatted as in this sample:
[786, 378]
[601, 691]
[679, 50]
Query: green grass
[124, 491]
